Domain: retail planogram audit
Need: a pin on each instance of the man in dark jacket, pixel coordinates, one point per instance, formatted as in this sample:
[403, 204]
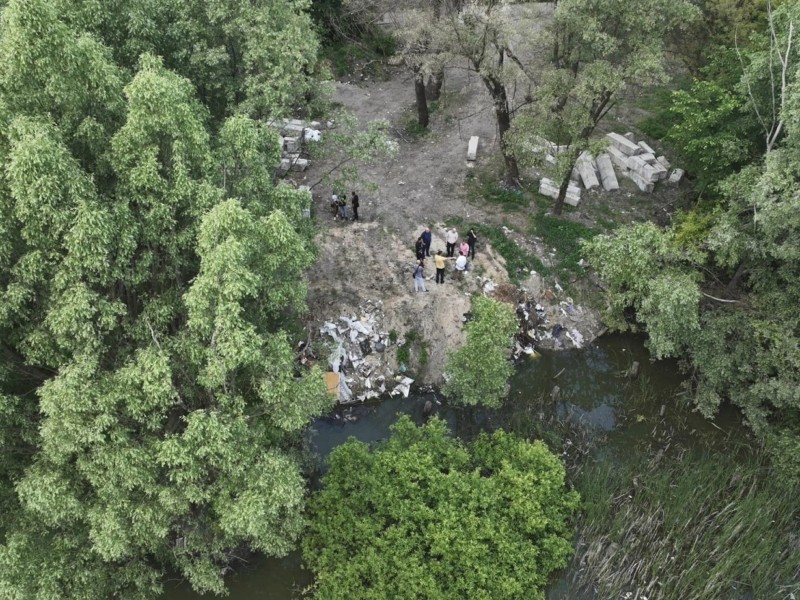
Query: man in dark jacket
[426, 240]
[354, 204]
[419, 248]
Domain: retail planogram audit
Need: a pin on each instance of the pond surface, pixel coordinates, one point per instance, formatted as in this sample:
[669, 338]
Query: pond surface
[594, 391]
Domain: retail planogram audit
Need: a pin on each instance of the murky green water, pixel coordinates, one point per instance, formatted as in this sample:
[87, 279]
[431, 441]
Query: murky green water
[593, 391]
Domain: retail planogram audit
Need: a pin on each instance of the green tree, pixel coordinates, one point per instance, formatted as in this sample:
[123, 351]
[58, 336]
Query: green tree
[478, 371]
[425, 516]
[149, 269]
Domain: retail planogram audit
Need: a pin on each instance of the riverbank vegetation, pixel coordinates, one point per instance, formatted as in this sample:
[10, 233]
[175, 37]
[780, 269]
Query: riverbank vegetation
[720, 287]
[702, 525]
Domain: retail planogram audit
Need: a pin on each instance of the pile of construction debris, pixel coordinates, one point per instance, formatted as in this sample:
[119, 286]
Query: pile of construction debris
[637, 161]
[294, 133]
[545, 322]
[359, 366]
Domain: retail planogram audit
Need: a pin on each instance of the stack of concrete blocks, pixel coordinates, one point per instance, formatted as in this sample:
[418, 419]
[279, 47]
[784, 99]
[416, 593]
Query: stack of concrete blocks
[637, 161]
[547, 187]
[292, 134]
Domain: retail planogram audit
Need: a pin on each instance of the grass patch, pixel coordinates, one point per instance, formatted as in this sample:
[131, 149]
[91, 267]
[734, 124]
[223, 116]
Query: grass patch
[705, 526]
[482, 188]
[565, 236]
[414, 130]
[518, 262]
[414, 353]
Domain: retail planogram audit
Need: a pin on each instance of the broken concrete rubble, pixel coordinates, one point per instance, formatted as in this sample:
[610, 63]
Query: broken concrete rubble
[358, 347]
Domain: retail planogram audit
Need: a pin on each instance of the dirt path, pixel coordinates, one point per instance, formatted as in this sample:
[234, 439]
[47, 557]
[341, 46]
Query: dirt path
[423, 186]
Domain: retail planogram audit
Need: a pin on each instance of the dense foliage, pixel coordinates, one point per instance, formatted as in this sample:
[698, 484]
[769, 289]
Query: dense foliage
[479, 370]
[722, 286]
[425, 516]
[148, 269]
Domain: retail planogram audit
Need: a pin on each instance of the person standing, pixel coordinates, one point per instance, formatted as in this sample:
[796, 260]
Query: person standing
[426, 239]
[461, 263]
[334, 205]
[419, 277]
[438, 260]
[471, 240]
[419, 248]
[343, 207]
[354, 203]
[452, 238]
[463, 248]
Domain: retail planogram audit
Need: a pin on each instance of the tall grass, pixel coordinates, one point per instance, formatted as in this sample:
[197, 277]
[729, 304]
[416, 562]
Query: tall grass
[702, 526]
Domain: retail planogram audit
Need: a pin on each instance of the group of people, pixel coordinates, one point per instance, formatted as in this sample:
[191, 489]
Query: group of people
[339, 206]
[423, 250]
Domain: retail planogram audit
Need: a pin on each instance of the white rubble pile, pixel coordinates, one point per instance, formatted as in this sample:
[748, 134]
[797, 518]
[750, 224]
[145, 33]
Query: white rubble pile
[359, 355]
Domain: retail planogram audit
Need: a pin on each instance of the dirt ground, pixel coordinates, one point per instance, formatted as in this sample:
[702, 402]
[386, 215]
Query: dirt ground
[425, 185]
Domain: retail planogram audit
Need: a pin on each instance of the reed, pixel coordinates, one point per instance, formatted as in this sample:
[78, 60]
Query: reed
[698, 525]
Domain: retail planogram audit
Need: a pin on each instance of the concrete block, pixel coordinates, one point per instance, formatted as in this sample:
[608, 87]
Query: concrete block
[608, 178]
[676, 176]
[291, 144]
[643, 169]
[642, 183]
[284, 166]
[472, 148]
[617, 157]
[292, 130]
[585, 166]
[548, 188]
[662, 160]
[644, 146]
[661, 172]
[624, 145]
[648, 157]
[301, 164]
[629, 136]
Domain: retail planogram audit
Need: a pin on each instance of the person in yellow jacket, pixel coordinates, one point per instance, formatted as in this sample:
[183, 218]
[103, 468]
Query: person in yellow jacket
[438, 260]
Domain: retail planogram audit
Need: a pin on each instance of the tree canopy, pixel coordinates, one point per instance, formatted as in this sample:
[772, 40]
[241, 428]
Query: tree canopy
[721, 287]
[149, 267]
[479, 370]
[426, 516]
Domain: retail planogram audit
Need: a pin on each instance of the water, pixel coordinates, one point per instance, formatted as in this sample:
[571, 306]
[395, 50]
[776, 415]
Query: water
[593, 391]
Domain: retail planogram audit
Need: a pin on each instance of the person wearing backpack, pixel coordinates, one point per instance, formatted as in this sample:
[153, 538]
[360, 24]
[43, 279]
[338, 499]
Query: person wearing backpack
[419, 277]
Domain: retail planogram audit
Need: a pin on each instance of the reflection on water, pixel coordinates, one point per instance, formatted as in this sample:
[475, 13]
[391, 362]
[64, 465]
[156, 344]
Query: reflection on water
[594, 391]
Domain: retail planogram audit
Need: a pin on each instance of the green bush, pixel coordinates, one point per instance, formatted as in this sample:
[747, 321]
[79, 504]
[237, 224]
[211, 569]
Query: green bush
[426, 516]
[480, 369]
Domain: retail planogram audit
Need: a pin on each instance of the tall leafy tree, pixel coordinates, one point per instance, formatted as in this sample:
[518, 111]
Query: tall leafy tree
[148, 269]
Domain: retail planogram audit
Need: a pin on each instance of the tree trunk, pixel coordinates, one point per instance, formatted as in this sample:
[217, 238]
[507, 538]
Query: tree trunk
[737, 277]
[562, 190]
[562, 194]
[503, 125]
[422, 101]
[433, 89]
